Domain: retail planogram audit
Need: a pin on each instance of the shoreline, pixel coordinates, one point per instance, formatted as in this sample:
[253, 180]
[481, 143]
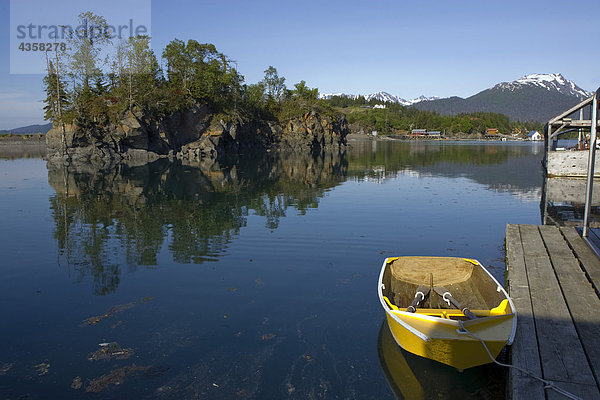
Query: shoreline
[13, 145]
[21, 146]
[360, 137]
[37, 139]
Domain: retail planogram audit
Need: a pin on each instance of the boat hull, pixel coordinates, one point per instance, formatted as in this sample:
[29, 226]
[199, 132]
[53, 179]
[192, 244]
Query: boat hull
[444, 340]
[459, 351]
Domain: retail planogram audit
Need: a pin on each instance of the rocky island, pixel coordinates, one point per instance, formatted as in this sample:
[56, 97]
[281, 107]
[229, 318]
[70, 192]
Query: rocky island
[195, 107]
[193, 134]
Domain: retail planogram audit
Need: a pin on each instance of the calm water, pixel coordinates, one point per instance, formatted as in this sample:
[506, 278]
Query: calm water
[254, 279]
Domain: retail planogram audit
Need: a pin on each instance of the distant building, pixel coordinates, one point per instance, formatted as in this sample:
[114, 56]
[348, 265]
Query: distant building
[535, 136]
[379, 106]
[491, 131]
[374, 133]
[434, 133]
[366, 107]
[418, 132]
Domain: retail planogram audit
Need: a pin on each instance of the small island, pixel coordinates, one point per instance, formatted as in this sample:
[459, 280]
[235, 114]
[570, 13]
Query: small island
[195, 106]
[115, 101]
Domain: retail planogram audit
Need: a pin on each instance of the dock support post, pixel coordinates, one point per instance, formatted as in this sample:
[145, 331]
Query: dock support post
[580, 135]
[591, 161]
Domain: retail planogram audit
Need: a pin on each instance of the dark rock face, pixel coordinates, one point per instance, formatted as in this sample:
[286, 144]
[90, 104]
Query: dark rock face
[315, 131]
[131, 140]
[192, 134]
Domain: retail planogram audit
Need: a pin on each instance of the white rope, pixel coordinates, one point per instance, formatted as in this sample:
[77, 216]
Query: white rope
[547, 384]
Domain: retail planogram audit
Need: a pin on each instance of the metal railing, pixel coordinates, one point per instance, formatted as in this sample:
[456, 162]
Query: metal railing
[591, 160]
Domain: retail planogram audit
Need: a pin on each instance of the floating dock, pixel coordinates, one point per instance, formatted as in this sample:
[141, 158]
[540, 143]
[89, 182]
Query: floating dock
[553, 279]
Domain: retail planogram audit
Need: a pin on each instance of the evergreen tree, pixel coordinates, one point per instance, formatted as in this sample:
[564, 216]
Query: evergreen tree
[56, 101]
[275, 85]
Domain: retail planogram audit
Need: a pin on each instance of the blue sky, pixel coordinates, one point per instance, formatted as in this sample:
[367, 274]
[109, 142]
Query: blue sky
[407, 48]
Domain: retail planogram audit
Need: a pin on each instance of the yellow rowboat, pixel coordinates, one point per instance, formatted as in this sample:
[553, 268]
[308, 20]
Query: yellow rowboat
[438, 307]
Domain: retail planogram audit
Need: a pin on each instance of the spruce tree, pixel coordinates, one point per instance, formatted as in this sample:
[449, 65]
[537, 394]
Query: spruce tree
[56, 101]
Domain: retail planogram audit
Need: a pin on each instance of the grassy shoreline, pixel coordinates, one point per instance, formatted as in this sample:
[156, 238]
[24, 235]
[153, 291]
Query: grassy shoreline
[33, 139]
[14, 147]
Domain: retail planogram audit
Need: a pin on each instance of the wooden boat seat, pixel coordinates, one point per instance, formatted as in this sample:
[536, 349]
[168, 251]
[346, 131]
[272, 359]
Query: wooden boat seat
[446, 271]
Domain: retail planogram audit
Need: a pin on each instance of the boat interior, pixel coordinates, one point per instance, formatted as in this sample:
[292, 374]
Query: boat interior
[467, 283]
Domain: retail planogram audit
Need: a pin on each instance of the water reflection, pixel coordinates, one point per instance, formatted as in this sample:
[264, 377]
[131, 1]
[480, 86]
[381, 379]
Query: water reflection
[513, 168]
[127, 216]
[563, 202]
[16, 149]
[193, 209]
[416, 378]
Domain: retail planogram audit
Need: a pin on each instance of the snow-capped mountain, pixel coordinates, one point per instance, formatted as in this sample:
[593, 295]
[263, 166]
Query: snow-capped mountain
[379, 96]
[550, 82]
[533, 97]
[536, 97]
[385, 97]
[421, 98]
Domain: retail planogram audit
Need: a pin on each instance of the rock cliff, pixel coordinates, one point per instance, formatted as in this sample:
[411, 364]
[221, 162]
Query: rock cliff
[192, 134]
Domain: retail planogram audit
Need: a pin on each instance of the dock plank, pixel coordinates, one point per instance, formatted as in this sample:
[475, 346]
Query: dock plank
[524, 351]
[561, 351]
[586, 392]
[588, 259]
[579, 294]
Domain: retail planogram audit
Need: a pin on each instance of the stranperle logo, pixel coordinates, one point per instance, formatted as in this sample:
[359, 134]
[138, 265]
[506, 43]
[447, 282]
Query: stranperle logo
[87, 30]
[39, 27]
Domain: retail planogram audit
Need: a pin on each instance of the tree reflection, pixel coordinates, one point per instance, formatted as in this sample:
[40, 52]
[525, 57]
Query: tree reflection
[498, 166]
[126, 215]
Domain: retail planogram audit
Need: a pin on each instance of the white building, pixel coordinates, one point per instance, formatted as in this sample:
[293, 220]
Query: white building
[535, 136]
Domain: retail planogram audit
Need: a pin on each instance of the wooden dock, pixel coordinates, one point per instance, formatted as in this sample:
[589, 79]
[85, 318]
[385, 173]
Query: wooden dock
[553, 279]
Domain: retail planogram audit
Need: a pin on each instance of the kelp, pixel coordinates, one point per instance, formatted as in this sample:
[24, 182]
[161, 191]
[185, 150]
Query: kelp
[116, 377]
[111, 311]
[110, 350]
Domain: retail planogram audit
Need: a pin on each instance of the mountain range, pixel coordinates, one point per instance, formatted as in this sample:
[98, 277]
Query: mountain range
[384, 97]
[28, 130]
[534, 97]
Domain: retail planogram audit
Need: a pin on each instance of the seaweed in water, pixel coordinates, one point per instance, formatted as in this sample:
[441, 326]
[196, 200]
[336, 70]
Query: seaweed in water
[111, 311]
[117, 324]
[116, 377]
[5, 367]
[155, 371]
[42, 368]
[76, 383]
[110, 350]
